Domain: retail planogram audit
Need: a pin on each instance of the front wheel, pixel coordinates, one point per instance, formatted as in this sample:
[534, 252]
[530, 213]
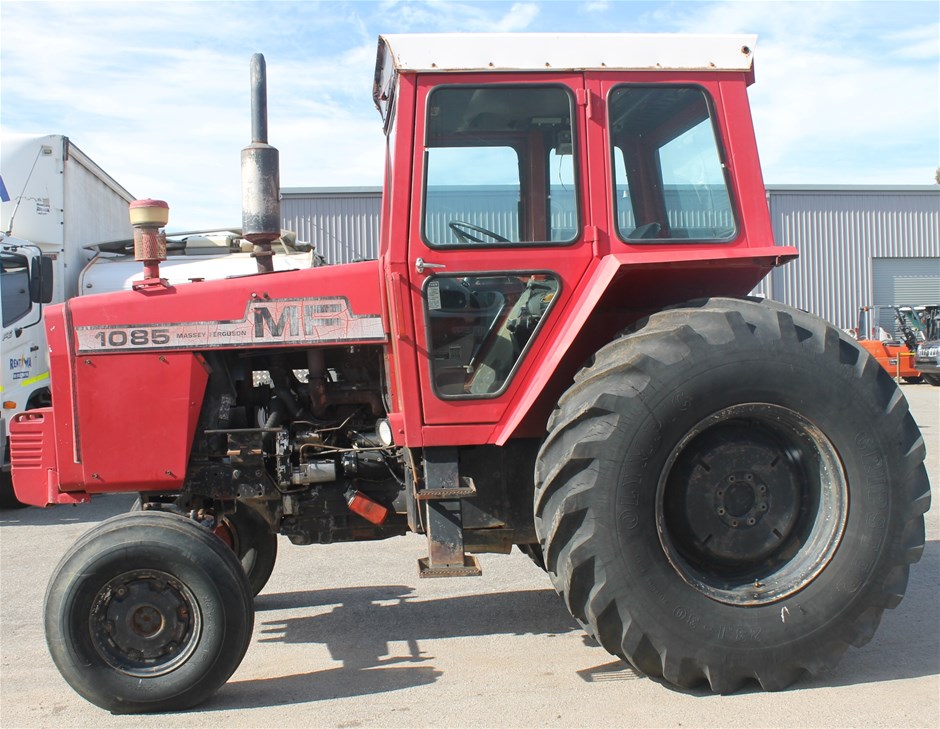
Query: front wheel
[733, 490]
[148, 612]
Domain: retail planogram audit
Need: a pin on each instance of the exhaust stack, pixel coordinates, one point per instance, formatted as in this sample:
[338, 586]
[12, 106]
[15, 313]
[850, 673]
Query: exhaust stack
[261, 207]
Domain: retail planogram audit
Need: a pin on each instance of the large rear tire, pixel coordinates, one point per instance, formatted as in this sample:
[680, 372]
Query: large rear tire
[732, 490]
[148, 612]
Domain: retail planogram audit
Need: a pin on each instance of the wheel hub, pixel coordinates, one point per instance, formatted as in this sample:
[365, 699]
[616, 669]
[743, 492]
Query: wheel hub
[752, 504]
[145, 623]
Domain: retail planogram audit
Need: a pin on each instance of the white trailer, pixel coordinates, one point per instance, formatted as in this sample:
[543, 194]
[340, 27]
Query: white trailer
[57, 201]
[66, 216]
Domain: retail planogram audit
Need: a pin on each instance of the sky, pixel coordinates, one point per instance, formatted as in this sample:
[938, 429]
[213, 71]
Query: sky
[158, 93]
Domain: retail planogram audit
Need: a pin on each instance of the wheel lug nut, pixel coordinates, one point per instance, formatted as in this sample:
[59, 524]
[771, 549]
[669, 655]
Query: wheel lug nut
[721, 512]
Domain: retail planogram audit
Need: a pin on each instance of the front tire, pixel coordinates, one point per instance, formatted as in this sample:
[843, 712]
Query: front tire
[733, 490]
[148, 612]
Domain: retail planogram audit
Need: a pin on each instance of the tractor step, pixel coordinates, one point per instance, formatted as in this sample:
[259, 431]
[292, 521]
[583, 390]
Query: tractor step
[444, 516]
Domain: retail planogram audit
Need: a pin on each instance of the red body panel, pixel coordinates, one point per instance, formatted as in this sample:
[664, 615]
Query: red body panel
[598, 268]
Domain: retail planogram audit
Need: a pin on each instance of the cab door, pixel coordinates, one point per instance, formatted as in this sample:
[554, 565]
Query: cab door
[497, 235]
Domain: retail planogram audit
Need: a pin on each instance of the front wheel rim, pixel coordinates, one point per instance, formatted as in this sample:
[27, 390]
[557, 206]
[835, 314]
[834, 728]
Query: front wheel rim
[752, 504]
[145, 623]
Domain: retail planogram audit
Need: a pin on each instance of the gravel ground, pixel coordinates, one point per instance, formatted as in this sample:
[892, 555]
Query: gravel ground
[348, 636]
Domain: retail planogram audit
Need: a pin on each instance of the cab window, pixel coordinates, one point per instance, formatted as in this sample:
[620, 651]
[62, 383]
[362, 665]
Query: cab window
[14, 287]
[669, 180]
[479, 328]
[499, 167]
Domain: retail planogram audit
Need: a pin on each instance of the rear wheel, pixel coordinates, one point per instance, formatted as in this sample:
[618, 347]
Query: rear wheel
[732, 491]
[148, 612]
[933, 380]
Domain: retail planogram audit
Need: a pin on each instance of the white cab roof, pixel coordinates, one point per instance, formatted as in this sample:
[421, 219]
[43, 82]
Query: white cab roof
[443, 52]
[568, 51]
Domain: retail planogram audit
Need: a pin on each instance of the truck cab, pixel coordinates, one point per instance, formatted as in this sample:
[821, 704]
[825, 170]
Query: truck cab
[26, 283]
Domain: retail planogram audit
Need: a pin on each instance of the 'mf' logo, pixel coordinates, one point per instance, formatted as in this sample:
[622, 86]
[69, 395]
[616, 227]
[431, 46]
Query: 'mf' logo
[287, 321]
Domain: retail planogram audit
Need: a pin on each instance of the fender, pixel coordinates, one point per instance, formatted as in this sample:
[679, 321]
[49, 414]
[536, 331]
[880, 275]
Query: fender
[631, 282]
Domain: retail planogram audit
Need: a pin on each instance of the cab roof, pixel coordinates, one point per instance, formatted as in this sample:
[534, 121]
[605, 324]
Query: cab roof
[464, 52]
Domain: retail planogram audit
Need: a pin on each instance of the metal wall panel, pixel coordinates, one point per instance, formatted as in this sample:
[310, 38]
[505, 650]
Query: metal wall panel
[342, 223]
[839, 232]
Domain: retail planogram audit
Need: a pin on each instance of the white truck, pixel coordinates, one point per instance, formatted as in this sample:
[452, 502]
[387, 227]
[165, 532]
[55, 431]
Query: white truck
[65, 231]
[56, 201]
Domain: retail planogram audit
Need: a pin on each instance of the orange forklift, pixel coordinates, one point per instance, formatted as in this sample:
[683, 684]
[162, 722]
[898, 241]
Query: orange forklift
[894, 350]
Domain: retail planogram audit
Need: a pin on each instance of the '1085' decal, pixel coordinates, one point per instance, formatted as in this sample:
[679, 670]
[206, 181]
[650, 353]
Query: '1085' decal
[132, 337]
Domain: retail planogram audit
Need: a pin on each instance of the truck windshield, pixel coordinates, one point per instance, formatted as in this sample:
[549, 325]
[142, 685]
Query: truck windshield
[499, 167]
[14, 287]
[669, 179]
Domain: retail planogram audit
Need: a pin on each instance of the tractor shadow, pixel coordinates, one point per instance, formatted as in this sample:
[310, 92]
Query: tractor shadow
[376, 633]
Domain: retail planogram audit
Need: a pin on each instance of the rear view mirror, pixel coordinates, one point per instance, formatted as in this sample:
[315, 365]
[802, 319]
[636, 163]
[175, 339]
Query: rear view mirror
[40, 280]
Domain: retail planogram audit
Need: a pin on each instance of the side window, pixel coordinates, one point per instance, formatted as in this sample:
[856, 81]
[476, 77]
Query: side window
[14, 288]
[499, 166]
[669, 181]
[480, 326]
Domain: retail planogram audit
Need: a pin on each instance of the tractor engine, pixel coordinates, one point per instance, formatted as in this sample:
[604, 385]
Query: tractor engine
[296, 435]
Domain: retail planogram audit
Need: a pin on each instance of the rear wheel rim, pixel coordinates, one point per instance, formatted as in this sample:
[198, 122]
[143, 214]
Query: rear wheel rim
[752, 504]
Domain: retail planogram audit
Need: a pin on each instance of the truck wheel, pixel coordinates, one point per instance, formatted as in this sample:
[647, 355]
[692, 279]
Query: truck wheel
[252, 540]
[8, 498]
[148, 612]
[933, 380]
[732, 490]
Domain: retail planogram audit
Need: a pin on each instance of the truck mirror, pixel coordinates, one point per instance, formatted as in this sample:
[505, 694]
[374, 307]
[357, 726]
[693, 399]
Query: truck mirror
[40, 280]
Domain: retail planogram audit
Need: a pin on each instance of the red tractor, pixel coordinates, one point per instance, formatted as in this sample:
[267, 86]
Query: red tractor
[555, 349]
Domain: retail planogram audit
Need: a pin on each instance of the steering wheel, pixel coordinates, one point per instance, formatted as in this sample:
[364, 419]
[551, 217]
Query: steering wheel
[460, 229]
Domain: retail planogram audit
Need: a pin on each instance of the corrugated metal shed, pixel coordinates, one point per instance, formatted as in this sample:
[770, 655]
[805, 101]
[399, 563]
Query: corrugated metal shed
[839, 230]
[341, 222]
